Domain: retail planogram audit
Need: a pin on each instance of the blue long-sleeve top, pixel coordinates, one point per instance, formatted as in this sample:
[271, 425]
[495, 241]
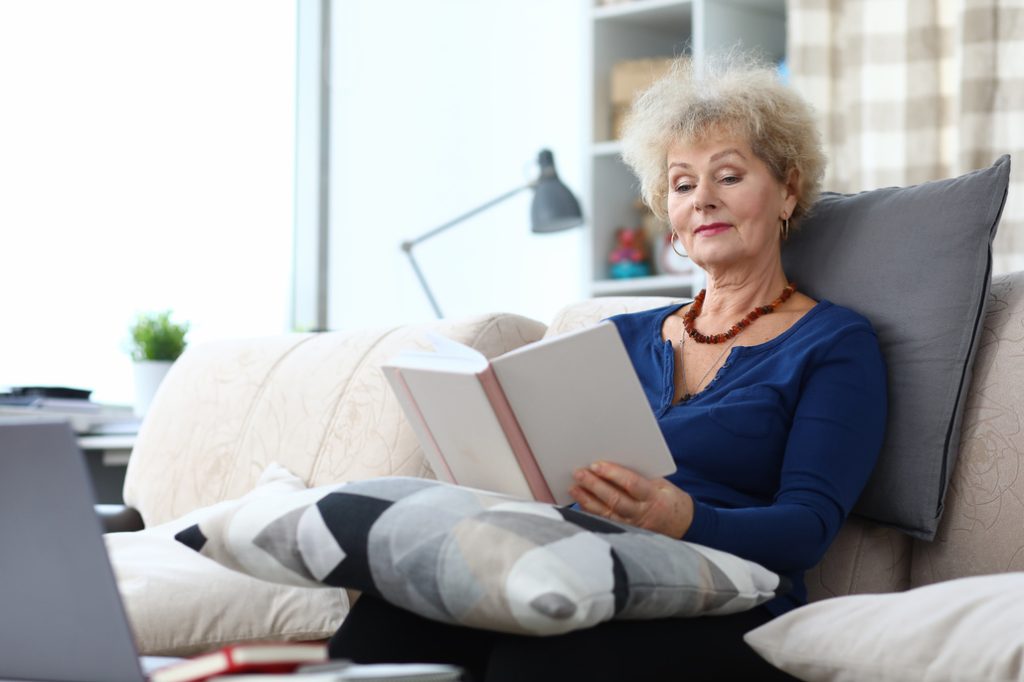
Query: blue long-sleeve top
[777, 448]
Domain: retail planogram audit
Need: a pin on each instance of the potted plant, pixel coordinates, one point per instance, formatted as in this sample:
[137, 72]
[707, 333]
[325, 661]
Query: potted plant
[156, 342]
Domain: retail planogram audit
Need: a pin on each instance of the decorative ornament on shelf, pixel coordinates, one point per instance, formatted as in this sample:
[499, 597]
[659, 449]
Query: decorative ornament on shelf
[629, 256]
[156, 342]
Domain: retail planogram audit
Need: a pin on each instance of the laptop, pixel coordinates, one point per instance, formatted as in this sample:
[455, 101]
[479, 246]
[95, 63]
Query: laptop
[61, 615]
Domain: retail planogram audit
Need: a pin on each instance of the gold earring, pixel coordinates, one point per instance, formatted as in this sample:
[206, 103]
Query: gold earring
[672, 240]
[785, 229]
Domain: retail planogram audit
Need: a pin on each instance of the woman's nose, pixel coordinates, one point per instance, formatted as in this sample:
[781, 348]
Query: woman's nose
[704, 196]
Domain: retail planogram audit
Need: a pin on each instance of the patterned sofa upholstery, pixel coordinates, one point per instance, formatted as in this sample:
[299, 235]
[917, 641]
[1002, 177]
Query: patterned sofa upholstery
[315, 403]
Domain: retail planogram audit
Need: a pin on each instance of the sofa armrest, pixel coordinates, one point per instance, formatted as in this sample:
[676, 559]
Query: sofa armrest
[118, 518]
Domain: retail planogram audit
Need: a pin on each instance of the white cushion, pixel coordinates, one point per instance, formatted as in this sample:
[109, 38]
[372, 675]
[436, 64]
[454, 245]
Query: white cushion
[966, 629]
[180, 603]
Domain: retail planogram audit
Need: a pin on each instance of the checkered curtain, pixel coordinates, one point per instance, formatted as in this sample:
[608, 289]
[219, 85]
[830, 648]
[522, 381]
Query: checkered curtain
[916, 90]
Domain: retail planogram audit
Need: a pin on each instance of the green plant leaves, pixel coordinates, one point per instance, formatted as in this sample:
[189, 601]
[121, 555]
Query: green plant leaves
[155, 337]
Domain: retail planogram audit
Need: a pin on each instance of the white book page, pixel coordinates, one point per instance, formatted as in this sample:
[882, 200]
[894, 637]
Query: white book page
[447, 355]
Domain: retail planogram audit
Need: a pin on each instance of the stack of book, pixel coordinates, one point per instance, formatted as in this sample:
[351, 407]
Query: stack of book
[69, 404]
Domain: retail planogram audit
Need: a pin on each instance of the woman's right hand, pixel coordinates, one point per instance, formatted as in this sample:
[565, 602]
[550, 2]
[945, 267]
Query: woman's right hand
[621, 494]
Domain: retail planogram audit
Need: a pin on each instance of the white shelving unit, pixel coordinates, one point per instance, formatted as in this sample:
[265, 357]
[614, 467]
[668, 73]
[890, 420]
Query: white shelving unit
[640, 29]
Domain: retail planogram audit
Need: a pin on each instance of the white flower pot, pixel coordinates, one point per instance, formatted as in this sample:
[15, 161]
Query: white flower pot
[148, 375]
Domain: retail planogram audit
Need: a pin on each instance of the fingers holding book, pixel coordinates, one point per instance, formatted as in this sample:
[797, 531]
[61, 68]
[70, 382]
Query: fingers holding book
[621, 494]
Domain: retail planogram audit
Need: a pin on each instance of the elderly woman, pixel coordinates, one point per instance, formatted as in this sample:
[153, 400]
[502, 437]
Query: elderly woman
[773, 404]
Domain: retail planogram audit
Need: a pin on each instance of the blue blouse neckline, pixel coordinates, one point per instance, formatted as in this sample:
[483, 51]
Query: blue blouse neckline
[668, 352]
[823, 304]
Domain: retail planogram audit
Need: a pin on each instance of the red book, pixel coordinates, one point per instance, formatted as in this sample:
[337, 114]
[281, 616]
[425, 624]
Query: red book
[263, 657]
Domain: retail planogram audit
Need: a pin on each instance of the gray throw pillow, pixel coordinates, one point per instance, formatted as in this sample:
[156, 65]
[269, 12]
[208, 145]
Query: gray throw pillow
[916, 261]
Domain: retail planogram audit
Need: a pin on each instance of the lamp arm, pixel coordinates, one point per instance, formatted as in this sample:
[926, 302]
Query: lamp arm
[421, 278]
[409, 243]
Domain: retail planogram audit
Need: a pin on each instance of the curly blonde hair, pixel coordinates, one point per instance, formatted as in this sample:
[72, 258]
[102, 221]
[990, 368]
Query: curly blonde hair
[735, 92]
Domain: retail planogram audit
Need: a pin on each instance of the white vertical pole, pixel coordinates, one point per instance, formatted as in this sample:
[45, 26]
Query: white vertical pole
[310, 278]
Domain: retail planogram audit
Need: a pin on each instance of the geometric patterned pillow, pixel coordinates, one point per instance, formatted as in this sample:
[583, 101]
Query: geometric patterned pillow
[479, 559]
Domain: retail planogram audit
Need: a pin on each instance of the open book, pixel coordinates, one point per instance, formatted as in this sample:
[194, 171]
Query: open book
[523, 422]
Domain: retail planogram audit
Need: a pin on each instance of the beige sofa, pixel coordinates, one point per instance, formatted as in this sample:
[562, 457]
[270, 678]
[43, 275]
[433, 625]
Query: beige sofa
[319, 406]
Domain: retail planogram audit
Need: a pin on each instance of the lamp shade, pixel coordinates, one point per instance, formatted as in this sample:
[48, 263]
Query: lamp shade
[554, 206]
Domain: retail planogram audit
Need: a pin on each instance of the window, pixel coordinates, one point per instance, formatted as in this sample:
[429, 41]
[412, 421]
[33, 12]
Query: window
[146, 164]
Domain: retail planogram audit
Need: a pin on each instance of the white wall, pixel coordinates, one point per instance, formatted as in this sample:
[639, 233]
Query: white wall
[437, 107]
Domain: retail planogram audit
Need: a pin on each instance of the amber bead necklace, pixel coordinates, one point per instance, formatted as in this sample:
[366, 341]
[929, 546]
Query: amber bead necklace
[745, 321]
[730, 336]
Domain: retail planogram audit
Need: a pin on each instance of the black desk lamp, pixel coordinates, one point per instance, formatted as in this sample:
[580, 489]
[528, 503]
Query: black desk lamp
[554, 209]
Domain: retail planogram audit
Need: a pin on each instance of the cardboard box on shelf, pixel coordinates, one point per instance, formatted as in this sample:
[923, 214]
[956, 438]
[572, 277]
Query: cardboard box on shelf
[619, 113]
[630, 78]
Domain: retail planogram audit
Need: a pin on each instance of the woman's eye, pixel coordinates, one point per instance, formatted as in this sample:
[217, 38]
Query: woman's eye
[730, 180]
[683, 187]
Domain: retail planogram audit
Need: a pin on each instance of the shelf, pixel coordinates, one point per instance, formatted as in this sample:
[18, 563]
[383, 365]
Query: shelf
[652, 29]
[611, 148]
[653, 13]
[120, 441]
[649, 13]
[676, 286]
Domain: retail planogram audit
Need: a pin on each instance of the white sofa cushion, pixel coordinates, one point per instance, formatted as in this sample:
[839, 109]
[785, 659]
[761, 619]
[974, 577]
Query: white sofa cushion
[180, 603]
[965, 629]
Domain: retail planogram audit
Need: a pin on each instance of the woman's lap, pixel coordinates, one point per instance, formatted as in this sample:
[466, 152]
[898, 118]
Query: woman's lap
[709, 648]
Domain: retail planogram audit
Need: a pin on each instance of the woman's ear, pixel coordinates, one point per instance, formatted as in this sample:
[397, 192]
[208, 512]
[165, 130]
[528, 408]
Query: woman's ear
[790, 191]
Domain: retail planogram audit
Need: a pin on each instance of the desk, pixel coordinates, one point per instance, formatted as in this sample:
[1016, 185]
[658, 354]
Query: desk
[107, 457]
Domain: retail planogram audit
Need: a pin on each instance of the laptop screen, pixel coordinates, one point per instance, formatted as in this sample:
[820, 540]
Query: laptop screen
[62, 616]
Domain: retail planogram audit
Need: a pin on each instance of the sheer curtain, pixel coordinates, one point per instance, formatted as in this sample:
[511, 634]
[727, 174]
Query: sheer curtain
[146, 163]
[915, 91]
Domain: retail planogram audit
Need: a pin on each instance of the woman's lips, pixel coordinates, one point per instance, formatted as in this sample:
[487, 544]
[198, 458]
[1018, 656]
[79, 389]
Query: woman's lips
[711, 229]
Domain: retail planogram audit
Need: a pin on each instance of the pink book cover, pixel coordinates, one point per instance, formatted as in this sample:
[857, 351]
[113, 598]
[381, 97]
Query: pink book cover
[516, 437]
[415, 413]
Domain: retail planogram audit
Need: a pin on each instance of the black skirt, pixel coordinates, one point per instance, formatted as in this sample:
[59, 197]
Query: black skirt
[705, 648]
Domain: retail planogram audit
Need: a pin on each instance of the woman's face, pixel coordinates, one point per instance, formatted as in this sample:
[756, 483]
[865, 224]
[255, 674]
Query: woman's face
[724, 203]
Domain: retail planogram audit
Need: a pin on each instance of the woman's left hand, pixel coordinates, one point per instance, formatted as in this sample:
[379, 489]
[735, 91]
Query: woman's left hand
[621, 494]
